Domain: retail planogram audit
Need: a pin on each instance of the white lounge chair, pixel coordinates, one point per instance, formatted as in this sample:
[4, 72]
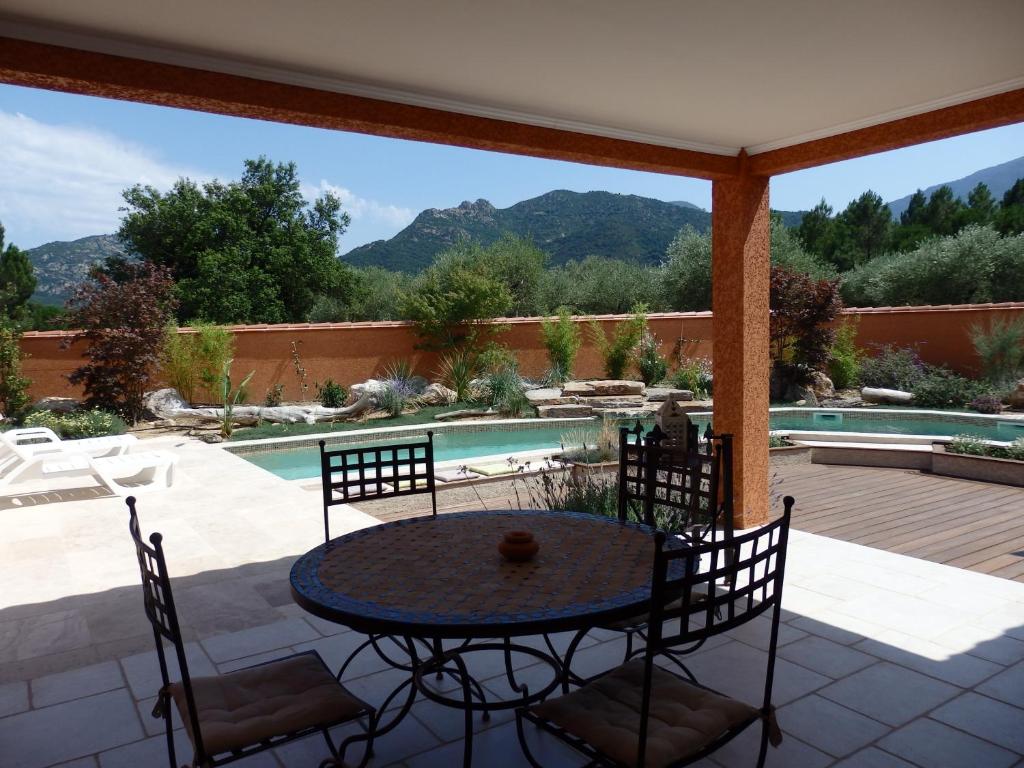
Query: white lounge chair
[34, 440]
[125, 474]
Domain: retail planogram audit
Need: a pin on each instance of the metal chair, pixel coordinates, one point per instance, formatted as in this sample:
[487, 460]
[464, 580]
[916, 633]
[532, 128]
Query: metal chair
[641, 714]
[235, 715]
[376, 472]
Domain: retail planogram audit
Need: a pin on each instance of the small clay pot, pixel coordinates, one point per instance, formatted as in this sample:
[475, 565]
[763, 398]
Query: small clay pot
[518, 546]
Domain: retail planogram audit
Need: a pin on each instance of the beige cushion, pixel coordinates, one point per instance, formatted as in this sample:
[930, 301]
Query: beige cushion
[243, 708]
[684, 718]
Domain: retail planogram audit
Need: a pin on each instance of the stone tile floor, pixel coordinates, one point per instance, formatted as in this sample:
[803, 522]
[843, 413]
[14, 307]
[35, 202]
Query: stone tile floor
[885, 660]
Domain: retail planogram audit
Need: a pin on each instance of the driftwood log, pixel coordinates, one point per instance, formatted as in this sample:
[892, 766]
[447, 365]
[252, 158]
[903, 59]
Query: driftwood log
[168, 404]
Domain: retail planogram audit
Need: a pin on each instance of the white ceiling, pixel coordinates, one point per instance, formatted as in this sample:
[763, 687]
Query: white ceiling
[714, 75]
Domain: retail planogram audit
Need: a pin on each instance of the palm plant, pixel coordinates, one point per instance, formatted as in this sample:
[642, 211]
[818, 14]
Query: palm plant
[230, 397]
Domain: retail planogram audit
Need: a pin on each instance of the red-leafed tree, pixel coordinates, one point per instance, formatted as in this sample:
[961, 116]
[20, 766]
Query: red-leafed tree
[122, 324]
[802, 309]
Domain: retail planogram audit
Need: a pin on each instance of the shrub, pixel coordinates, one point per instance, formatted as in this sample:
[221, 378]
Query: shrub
[504, 389]
[975, 446]
[694, 374]
[14, 398]
[497, 358]
[192, 361]
[596, 493]
[589, 446]
[651, 364]
[230, 397]
[1001, 349]
[400, 369]
[562, 339]
[456, 370]
[331, 394]
[274, 396]
[122, 327]
[941, 388]
[844, 364]
[987, 404]
[892, 368]
[71, 426]
[394, 396]
[801, 310]
[617, 352]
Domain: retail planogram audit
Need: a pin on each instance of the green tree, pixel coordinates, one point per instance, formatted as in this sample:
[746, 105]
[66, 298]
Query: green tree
[944, 212]
[600, 285]
[863, 231]
[252, 250]
[915, 212]
[981, 206]
[519, 265]
[450, 300]
[17, 279]
[1010, 218]
[817, 230]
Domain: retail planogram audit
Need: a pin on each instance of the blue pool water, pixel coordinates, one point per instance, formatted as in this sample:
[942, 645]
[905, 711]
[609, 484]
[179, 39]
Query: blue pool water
[300, 463]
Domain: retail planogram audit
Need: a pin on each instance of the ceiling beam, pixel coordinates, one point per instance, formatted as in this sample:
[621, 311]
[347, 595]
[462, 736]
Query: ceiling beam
[71, 70]
[978, 115]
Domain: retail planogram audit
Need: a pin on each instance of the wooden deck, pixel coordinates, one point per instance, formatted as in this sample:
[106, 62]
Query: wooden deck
[979, 526]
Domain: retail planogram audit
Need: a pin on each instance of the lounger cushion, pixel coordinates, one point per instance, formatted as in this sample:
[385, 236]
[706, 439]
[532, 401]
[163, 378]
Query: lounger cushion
[684, 718]
[243, 708]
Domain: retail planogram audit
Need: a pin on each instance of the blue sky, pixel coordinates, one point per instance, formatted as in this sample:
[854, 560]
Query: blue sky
[65, 159]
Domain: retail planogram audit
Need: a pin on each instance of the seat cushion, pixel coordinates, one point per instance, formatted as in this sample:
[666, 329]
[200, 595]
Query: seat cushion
[684, 718]
[243, 708]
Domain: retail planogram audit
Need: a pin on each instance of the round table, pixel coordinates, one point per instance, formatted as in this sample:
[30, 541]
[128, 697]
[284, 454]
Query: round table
[431, 579]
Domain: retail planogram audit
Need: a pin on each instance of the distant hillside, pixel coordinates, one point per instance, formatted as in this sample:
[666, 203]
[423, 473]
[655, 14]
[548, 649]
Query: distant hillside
[998, 178]
[568, 225]
[61, 266]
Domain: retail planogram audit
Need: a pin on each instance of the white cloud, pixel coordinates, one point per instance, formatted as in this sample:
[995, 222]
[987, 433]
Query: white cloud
[360, 207]
[62, 182]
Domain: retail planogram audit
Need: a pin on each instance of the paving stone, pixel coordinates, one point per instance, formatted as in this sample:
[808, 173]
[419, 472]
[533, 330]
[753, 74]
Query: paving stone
[143, 669]
[890, 693]
[828, 726]
[147, 752]
[929, 743]
[43, 635]
[76, 683]
[280, 634]
[500, 746]
[13, 698]
[872, 757]
[1007, 686]
[825, 656]
[987, 718]
[42, 737]
[928, 658]
[564, 411]
[82, 762]
[791, 753]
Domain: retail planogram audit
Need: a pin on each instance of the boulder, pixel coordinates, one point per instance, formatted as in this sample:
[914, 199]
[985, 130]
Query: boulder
[886, 396]
[1016, 398]
[822, 385]
[624, 401]
[801, 395]
[164, 403]
[661, 394]
[56, 404]
[603, 388]
[437, 394]
[548, 396]
[564, 411]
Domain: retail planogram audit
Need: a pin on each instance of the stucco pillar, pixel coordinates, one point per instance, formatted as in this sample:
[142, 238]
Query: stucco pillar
[740, 276]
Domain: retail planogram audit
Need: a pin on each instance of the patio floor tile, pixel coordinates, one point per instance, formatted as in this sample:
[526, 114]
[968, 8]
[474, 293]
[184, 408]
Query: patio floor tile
[791, 753]
[13, 698]
[501, 747]
[828, 726]
[929, 658]
[935, 745]
[825, 656]
[890, 693]
[910, 615]
[983, 642]
[75, 684]
[247, 642]
[73, 729]
[993, 720]
[143, 669]
[872, 757]
[1007, 686]
[43, 635]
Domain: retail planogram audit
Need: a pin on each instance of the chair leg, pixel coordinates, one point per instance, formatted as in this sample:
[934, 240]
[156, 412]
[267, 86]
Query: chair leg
[522, 741]
[763, 752]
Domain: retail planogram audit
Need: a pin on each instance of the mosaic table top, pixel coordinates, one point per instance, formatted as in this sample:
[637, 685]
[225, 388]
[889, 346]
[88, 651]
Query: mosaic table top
[444, 577]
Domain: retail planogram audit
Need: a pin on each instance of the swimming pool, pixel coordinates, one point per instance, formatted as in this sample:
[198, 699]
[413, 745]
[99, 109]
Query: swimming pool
[299, 459]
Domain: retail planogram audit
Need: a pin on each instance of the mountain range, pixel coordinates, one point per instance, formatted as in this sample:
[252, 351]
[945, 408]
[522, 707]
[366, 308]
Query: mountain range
[567, 225]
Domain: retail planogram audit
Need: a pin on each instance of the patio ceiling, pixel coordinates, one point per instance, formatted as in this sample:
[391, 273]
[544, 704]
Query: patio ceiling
[706, 77]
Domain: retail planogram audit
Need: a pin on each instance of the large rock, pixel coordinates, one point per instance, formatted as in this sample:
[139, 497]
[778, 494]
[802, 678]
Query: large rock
[1016, 398]
[437, 394]
[165, 403]
[886, 396]
[564, 411]
[603, 388]
[549, 396]
[623, 401]
[661, 394]
[56, 404]
[822, 385]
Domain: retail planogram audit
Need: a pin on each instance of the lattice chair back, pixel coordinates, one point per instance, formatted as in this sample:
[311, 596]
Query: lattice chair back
[158, 602]
[675, 423]
[686, 491]
[743, 580]
[376, 472]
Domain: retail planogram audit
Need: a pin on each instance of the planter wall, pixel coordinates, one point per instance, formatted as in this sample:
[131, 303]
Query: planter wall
[984, 468]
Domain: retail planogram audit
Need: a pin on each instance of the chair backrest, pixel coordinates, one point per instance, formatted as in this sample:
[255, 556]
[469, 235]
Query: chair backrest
[743, 579]
[687, 491]
[158, 602]
[376, 472]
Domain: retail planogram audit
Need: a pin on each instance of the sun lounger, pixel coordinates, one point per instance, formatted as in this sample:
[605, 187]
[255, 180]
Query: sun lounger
[28, 441]
[129, 473]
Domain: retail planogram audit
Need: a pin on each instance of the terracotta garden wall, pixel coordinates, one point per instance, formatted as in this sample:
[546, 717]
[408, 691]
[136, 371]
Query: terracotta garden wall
[351, 352]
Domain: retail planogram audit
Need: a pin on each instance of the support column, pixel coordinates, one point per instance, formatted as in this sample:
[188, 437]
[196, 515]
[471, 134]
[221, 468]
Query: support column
[740, 275]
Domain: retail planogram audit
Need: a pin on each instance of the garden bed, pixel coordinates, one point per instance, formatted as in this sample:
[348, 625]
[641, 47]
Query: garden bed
[984, 468]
